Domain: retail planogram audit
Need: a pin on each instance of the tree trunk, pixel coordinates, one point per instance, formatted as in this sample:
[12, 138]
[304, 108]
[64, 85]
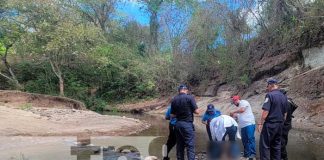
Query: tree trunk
[61, 86]
[154, 26]
[57, 71]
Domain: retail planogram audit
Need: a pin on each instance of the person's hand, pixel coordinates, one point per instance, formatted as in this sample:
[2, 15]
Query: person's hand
[260, 127]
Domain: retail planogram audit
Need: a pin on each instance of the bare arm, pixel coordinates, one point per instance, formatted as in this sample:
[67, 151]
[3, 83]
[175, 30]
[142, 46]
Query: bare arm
[240, 110]
[197, 111]
[264, 115]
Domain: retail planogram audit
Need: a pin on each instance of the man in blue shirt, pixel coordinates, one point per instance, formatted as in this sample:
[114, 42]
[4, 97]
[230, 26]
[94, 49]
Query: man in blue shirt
[183, 106]
[271, 123]
[210, 113]
[172, 140]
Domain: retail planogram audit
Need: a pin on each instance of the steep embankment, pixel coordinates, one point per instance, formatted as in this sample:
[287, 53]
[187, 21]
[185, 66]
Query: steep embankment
[298, 63]
[299, 66]
[26, 114]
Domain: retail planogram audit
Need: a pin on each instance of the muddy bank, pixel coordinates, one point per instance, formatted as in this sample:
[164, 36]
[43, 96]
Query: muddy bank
[141, 107]
[17, 98]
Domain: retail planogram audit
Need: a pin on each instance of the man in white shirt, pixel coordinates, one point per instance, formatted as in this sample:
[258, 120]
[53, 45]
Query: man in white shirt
[246, 122]
[223, 126]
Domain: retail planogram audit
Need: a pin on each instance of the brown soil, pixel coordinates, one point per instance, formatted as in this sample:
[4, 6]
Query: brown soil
[141, 107]
[18, 99]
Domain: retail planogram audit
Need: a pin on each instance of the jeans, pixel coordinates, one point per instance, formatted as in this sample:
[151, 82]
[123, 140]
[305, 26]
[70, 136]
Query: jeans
[248, 141]
[185, 134]
[270, 141]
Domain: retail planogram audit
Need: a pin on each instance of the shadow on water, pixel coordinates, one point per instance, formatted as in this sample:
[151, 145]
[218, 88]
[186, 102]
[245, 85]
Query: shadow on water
[301, 146]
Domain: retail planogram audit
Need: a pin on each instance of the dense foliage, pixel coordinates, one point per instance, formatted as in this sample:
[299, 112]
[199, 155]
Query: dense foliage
[89, 51]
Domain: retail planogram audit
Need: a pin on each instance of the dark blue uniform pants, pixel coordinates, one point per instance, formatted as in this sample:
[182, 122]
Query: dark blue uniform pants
[172, 140]
[284, 141]
[270, 141]
[185, 134]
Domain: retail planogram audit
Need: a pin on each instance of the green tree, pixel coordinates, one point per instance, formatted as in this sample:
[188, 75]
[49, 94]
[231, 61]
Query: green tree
[10, 32]
[57, 34]
[98, 12]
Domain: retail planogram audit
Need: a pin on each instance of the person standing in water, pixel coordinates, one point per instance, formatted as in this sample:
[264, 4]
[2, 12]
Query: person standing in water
[246, 123]
[271, 122]
[287, 126]
[172, 139]
[183, 106]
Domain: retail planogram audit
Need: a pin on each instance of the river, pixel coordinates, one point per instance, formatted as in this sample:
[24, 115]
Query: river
[302, 145]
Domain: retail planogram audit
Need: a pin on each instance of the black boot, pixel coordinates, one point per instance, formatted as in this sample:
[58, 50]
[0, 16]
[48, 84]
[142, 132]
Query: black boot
[166, 158]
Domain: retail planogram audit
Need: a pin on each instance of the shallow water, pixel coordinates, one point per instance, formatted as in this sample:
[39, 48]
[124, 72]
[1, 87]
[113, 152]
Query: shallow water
[301, 146]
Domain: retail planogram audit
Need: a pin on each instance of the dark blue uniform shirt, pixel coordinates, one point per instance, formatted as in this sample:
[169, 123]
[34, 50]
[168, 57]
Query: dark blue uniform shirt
[276, 103]
[183, 106]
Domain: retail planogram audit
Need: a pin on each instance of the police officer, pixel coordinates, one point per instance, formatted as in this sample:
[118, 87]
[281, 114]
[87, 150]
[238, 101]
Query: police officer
[287, 126]
[272, 118]
[182, 107]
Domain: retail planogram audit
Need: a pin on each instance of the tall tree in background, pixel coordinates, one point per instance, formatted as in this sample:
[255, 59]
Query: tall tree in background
[99, 12]
[174, 21]
[153, 7]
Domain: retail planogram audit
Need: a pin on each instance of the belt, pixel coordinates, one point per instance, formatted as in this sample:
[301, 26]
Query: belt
[274, 122]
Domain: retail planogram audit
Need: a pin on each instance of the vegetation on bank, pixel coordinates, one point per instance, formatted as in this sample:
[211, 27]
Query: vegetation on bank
[90, 51]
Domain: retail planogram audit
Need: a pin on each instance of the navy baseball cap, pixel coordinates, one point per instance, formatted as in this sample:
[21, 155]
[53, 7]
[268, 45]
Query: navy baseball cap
[272, 81]
[182, 86]
[210, 107]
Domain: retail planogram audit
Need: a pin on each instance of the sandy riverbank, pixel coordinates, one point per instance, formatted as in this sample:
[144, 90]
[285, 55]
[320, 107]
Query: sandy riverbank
[64, 122]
